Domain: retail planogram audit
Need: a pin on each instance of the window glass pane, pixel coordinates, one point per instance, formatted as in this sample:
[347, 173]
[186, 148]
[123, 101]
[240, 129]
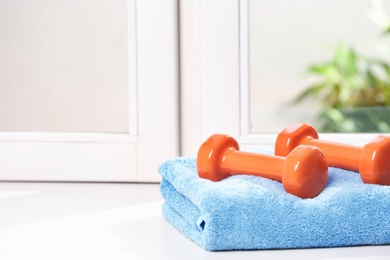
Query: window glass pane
[333, 54]
[63, 66]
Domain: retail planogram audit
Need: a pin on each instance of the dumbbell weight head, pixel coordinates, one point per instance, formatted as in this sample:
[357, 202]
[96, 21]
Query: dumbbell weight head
[292, 136]
[374, 164]
[305, 172]
[210, 155]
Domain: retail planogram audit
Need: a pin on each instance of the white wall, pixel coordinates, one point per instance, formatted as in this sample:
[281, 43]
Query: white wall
[208, 68]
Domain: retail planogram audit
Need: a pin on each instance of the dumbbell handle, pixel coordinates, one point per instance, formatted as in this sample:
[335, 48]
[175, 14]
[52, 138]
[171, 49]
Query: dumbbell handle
[350, 154]
[262, 165]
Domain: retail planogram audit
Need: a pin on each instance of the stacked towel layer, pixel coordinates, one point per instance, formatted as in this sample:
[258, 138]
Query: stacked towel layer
[248, 212]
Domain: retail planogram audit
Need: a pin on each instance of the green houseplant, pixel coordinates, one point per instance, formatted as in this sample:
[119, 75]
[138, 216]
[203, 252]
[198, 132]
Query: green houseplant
[353, 91]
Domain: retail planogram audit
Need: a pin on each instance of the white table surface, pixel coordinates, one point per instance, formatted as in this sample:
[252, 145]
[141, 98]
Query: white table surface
[114, 221]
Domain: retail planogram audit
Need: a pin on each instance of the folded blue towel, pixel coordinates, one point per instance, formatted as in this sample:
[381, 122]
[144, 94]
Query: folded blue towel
[248, 212]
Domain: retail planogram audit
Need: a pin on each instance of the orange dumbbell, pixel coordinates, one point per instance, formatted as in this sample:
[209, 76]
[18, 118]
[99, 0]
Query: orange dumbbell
[372, 160]
[304, 172]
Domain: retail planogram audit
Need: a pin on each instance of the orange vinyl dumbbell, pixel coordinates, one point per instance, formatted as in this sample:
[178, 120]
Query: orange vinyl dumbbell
[372, 160]
[304, 172]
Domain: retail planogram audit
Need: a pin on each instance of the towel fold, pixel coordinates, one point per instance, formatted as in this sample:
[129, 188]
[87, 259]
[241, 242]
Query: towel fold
[247, 212]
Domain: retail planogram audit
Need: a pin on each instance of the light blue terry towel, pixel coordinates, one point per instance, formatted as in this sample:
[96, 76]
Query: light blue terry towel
[248, 212]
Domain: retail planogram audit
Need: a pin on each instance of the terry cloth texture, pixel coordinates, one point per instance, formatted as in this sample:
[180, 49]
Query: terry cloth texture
[247, 212]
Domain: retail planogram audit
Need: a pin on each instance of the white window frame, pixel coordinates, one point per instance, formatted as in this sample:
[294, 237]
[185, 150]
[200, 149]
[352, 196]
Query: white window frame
[223, 96]
[153, 116]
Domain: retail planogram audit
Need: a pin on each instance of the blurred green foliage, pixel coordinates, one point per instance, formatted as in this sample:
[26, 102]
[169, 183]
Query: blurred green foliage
[353, 91]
